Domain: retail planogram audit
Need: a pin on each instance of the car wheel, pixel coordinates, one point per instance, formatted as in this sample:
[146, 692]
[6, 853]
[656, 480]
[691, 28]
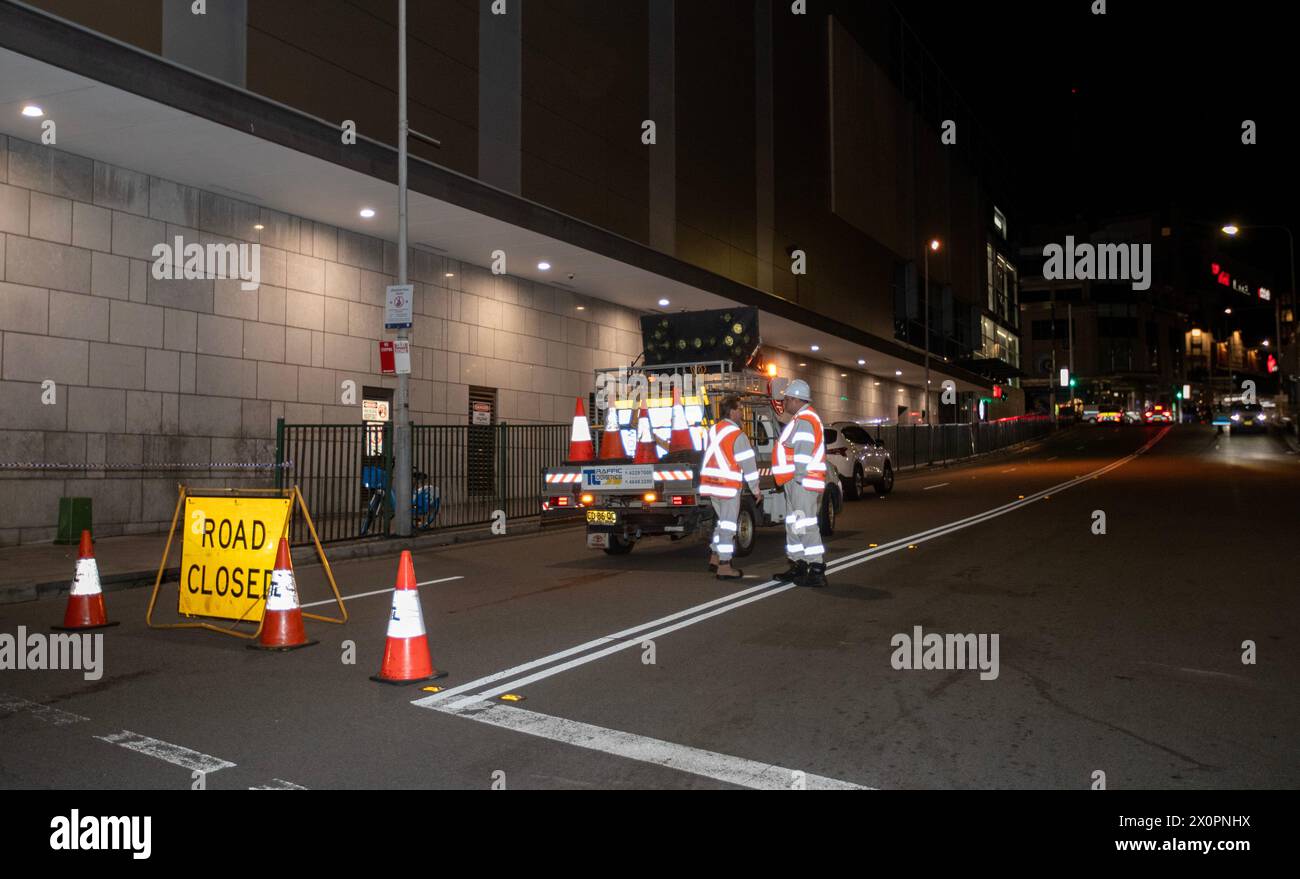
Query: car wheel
[886, 483]
[826, 518]
[857, 485]
[619, 545]
[745, 529]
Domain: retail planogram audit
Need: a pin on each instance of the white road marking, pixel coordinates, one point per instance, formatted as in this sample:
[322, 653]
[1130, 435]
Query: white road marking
[1053, 458]
[709, 764]
[754, 594]
[378, 592]
[1008, 470]
[48, 713]
[278, 784]
[167, 752]
[938, 485]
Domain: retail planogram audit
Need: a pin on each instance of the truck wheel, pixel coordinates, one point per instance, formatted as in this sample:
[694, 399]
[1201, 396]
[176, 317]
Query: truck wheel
[886, 483]
[826, 518]
[746, 524]
[619, 545]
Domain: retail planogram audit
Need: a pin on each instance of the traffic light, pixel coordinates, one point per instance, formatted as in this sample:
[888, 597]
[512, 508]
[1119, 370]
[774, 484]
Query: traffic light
[1074, 382]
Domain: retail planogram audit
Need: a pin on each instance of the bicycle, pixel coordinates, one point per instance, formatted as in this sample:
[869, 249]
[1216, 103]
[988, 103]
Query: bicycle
[426, 499]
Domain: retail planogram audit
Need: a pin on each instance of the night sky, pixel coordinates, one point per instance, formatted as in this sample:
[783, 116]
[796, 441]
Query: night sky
[1162, 89]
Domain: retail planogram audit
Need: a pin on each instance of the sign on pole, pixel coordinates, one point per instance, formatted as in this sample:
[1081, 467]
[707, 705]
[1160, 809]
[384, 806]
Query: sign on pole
[398, 306]
[402, 357]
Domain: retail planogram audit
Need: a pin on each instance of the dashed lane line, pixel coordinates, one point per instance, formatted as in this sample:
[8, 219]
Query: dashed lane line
[48, 713]
[167, 752]
[937, 485]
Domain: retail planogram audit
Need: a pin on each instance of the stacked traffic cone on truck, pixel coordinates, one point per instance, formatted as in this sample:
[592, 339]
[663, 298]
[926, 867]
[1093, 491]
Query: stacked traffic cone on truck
[85, 608]
[581, 449]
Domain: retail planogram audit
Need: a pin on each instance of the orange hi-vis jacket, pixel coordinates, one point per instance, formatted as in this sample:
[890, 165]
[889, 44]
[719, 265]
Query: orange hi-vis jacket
[728, 458]
[801, 452]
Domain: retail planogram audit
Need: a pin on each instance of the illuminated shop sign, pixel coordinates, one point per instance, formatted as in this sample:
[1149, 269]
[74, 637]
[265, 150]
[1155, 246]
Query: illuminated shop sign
[1226, 280]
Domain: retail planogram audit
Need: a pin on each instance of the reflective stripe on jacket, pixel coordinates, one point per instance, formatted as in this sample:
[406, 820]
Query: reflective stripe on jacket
[728, 459]
[801, 452]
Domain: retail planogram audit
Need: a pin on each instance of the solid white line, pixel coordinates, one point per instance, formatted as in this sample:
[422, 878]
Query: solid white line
[939, 485]
[167, 752]
[833, 567]
[710, 764]
[278, 784]
[1053, 458]
[48, 713]
[1009, 469]
[377, 592]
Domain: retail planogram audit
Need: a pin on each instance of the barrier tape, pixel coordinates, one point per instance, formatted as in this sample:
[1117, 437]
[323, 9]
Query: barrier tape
[148, 465]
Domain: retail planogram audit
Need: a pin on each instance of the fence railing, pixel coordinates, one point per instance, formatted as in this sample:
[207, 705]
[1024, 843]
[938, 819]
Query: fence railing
[913, 445]
[469, 471]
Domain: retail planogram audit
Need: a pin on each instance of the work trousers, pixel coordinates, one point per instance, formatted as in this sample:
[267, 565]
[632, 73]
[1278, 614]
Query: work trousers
[724, 532]
[803, 536]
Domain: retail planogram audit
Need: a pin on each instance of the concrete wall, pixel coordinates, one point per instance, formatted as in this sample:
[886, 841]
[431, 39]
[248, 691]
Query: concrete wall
[155, 371]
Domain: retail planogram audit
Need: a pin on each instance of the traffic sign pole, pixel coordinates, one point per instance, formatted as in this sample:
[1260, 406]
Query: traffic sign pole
[402, 417]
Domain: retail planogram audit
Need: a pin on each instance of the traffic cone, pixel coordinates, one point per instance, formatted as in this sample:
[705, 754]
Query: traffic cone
[680, 441]
[282, 622]
[581, 448]
[406, 653]
[611, 443]
[86, 600]
[645, 440]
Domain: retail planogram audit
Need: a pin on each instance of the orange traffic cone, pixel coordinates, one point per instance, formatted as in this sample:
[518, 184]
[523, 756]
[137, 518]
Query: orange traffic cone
[282, 623]
[645, 440]
[581, 448]
[680, 441]
[406, 653]
[86, 600]
[611, 442]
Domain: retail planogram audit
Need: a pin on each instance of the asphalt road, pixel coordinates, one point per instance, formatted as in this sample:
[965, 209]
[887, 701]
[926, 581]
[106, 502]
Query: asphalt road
[1118, 653]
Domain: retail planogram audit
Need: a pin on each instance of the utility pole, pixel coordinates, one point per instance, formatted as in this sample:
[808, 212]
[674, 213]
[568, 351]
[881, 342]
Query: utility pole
[402, 417]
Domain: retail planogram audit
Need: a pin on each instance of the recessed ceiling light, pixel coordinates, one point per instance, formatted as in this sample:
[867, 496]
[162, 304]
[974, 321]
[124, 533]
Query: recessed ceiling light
[898, 372]
[32, 110]
[258, 226]
[450, 275]
[544, 265]
[367, 212]
[861, 362]
[877, 384]
[803, 364]
[816, 347]
[844, 375]
[663, 302]
[582, 308]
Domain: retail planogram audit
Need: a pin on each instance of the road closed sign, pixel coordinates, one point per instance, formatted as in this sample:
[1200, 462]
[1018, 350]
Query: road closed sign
[228, 554]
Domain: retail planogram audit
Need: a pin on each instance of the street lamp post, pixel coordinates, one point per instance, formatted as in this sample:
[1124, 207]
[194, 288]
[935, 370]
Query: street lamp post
[925, 262]
[1231, 230]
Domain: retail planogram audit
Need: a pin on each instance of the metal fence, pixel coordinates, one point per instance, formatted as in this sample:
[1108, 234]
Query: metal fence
[913, 445]
[472, 471]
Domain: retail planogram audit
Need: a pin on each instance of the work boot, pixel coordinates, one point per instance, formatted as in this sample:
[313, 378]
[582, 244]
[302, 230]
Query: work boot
[713, 562]
[816, 575]
[793, 573]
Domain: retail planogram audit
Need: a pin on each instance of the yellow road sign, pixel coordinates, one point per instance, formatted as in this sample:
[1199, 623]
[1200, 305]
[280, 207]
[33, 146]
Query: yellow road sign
[228, 554]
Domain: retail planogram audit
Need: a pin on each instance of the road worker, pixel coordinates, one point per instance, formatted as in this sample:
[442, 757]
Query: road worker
[799, 467]
[728, 467]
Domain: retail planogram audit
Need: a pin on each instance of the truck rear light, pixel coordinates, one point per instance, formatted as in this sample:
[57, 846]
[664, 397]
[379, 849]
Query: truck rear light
[588, 498]
[649, 497]
[683, 500]
[561, 501]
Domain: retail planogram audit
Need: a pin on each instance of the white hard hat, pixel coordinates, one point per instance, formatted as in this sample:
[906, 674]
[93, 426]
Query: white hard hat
[799, 390]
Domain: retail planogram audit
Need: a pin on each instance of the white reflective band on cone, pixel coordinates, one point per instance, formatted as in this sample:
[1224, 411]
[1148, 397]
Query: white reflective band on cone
[407, 620]
[86, 581]
[284, 592]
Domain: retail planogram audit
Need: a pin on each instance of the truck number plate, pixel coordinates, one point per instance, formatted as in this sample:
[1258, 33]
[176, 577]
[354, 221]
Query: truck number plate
[602, 517]
[597, 541]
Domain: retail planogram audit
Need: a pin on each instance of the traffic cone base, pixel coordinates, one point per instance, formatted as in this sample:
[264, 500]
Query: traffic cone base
[85, 608]
[406, 651]
[282, 627]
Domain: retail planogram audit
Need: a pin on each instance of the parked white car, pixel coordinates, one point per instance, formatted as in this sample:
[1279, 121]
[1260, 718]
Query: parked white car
[860, 458]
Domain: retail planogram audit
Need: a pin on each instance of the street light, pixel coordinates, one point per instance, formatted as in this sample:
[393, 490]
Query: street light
[932, 247]
[1232, 230]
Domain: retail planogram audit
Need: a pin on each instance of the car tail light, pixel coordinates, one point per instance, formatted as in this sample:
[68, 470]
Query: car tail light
[683, 500]
[562, 501]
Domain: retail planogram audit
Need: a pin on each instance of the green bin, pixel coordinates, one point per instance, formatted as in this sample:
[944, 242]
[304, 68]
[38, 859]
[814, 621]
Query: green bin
[74, 517]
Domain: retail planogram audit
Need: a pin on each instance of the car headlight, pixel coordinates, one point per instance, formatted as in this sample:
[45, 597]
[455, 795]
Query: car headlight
[1260, 417]
[1236, 416]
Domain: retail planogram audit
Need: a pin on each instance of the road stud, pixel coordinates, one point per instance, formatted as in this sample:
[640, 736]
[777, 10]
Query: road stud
[406, 652]
[85, 608]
